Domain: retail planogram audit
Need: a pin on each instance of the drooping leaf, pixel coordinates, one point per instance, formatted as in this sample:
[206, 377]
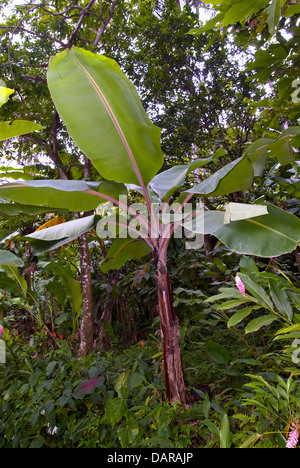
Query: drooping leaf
[13, 280]
[72, 286]
[68, 229]
[256, 290]
[15, 209]
[240, 10]
[56, 236]
[165, 183]
[206, 222]
[104, 116]
[239, 316]
[8, 258]
[235, 176]
[270, 235]
[282, 150]
[217, 352]
[280, 299]
[17, 128]
[260, 322]
[274, 12]
[73, 195]
[122, 250]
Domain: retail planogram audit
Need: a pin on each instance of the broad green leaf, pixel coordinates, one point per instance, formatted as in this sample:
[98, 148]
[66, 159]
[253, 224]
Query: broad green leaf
[282, 150]
[274, 12]
[238, 211]
[37, 442]
[165, 183]
[72, 286]
[121, 381]
[256, 324]
[217, 352]
[225, 294]
[231, 304]
[241, 9]
[68, 229]
[73, 195]
[19, 288]
[239, 316]
[256, 290]
[8, 258]
[292, 10]
[40, 246]
[235, 176]
[121, 251]
[270, 235]
[279, 148]
[206, 222]
[19, 282]
[280, 299]
[248, 265]
[15, 209]
[104, 116]
[17, 128]
[114, 411]
[56, 236]
[127, 432]
[4, 94]
[225, 433]
[257, 153]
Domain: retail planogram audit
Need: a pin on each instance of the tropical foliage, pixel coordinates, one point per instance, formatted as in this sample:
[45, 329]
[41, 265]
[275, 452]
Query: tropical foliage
[150, 160]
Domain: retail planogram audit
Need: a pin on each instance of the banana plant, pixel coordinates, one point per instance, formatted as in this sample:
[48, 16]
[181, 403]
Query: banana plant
[105, 118]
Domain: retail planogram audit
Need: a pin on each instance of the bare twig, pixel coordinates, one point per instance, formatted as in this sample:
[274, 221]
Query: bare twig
[105, 22]
[34, 33]
[80, 21]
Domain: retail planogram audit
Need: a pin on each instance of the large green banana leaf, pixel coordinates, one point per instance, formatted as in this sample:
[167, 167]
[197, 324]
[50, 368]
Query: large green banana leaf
[122, 250]
[73, 195]
[61, 234]
[165, 183]
[104, 116]
[8, 210]
[268, 236]
[235, 176]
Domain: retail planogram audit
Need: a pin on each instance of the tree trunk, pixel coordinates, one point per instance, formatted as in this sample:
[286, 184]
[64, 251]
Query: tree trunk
[170, 328]
[87, 320]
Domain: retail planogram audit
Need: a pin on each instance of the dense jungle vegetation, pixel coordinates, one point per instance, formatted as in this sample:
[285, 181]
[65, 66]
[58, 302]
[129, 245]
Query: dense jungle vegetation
[125, 328]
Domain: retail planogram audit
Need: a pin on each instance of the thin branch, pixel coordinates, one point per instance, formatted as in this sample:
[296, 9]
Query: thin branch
[39, 78]
[105, 22]
[41, 36]
[80, 21]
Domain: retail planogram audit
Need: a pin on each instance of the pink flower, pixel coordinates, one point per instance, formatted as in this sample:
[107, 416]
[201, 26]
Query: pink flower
[293, 437]
[1, 331]
[240, 285]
